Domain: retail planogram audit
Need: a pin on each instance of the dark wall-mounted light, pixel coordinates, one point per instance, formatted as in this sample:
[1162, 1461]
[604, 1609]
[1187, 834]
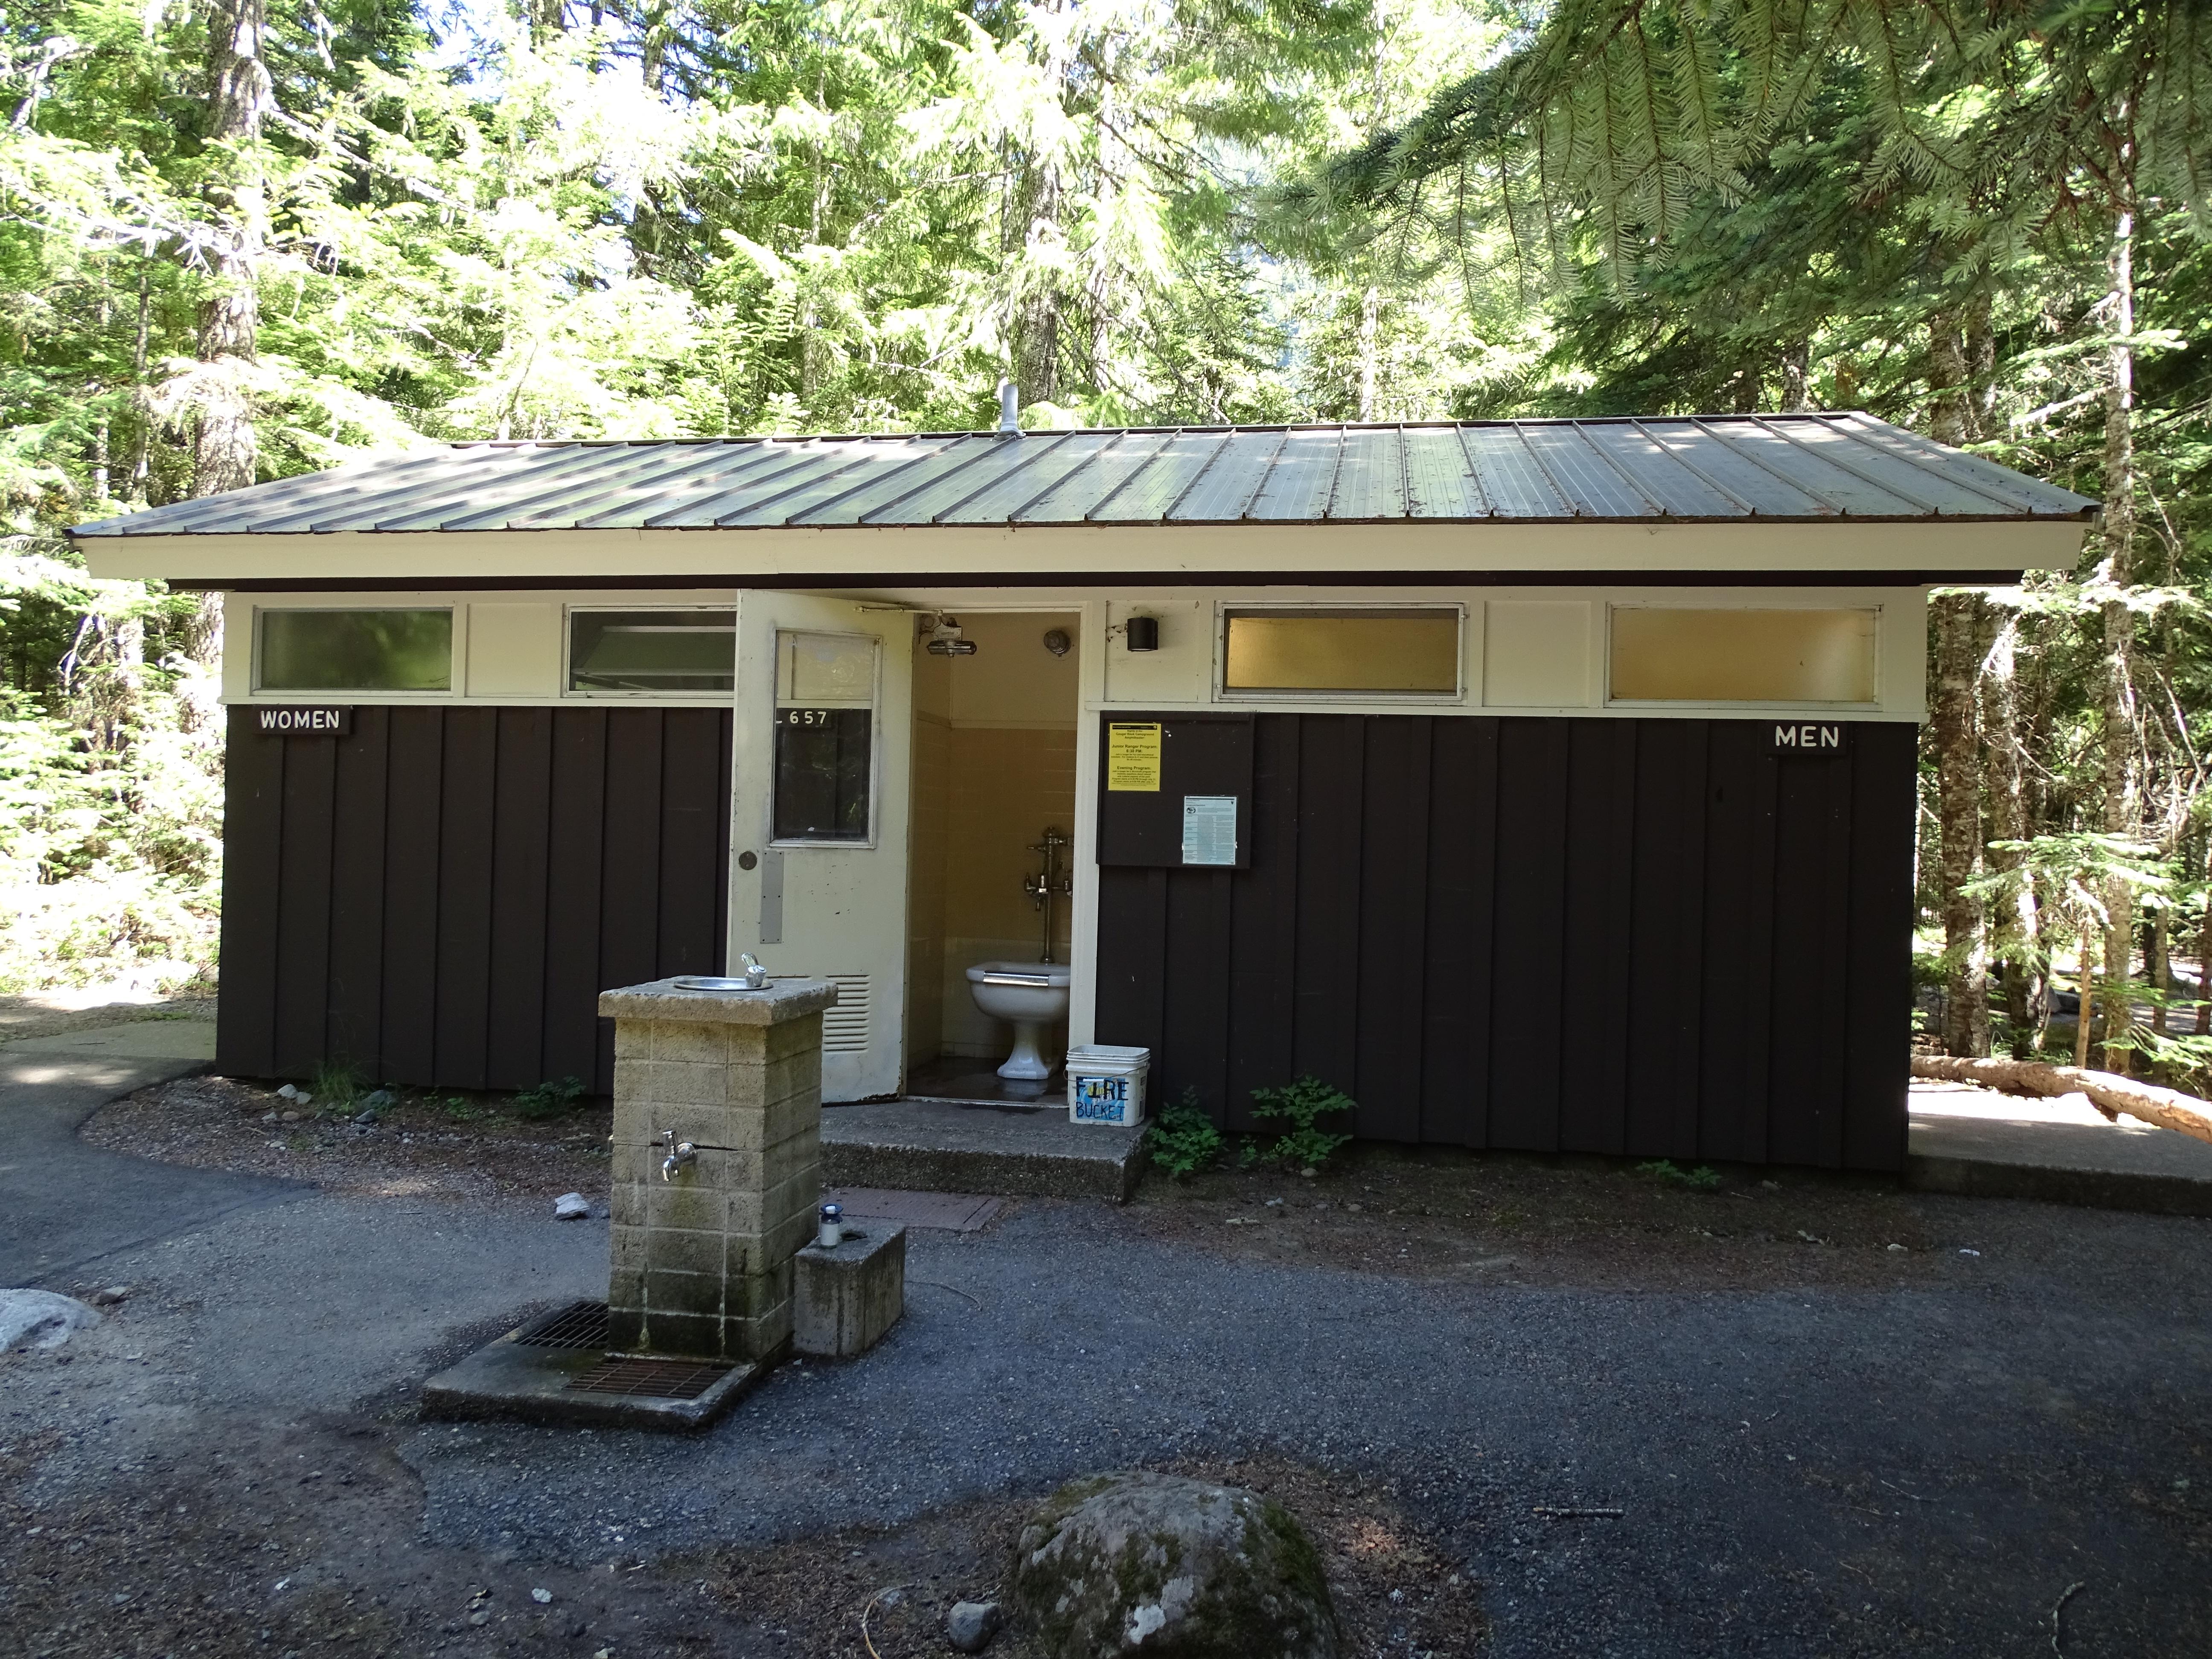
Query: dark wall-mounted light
[1143, 633]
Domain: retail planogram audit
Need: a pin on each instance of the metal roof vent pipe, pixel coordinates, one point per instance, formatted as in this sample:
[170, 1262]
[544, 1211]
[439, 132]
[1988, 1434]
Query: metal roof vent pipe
[1010, 409]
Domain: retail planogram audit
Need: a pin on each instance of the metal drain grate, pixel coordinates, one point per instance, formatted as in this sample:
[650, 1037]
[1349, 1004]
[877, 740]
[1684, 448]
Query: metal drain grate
[654, 1379]
[579, 1325]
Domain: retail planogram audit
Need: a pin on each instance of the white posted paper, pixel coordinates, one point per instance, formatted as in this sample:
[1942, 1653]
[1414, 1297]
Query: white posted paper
[1209, 829]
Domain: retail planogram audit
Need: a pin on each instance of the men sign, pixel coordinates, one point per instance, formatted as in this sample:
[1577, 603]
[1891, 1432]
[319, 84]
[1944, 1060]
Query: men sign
[1807, 737]
[295, 720]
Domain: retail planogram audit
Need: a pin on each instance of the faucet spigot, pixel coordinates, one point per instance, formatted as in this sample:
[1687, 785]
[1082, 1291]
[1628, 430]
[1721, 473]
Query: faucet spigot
[682, 1154]
[755, 975]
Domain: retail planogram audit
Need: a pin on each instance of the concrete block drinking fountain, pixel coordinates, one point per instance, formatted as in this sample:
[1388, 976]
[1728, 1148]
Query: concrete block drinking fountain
[716, 1180]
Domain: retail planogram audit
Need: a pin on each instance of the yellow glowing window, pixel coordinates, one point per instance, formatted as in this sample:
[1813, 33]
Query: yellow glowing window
[1391, 654]
[1662, 654]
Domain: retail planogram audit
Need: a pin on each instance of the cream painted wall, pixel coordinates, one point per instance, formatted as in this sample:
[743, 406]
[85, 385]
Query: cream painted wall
[1528, 650]
[507, 646]
[1180, 671]
[514, 650]
[926, 852]
[1012, 681]
[1536, 653]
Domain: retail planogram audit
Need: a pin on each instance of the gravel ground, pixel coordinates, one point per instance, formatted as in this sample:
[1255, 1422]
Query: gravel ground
[468, 1147]
[1802, 1465]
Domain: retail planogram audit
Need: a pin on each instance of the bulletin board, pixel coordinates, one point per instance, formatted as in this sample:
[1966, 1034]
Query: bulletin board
[1176, 791]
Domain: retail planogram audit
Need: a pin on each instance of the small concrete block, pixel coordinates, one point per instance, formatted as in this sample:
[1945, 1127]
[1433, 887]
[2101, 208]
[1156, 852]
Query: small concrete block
[845, 1298]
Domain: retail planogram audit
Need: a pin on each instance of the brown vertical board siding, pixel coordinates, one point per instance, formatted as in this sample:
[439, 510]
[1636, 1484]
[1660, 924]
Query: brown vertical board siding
[692, 816]
[1666, 967]
[1530, 941]
[437, 896]
[1804, 1119]
[1456, 980]
[1878, 976]
[1739, 944]
[1262, 945]
[1332, 807]
[1602, 788]
[303, 917]
[414, 819]
[575, 853]
[1133, 960]
[629, 874]
[253, 838]
[1645, 936]
[1393, 898]
[356, 893]
[1194, 1025]
[522, 788]
[464, 890]
[1639, 936]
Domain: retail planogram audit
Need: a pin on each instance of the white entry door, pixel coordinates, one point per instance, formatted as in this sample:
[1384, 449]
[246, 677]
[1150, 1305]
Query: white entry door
[818, 818]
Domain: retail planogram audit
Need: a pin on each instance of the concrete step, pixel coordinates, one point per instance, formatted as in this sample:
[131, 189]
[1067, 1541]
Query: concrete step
[1014, 1151]
[1978, 1144]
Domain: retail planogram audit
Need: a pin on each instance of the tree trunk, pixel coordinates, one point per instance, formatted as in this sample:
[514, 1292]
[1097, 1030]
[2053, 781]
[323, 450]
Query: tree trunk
[2118, 781]
[1959, 821]
[224, 450]
[1947, 382]
[1797, 377]
[2014, 926]
[2204, 961]
[2084, 980]
[1370, 317]
[2159, 971]
[1981, 369]
[2167, 1107]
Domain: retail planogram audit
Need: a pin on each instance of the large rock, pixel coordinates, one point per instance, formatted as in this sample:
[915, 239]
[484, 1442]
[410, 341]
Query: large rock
[1157, 1565]
[41, 1319]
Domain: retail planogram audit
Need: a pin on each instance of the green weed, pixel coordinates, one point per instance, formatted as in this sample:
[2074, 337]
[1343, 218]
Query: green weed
[1305, 1145]
[1183, 1139]
[1702, 1179]
[549, 1099]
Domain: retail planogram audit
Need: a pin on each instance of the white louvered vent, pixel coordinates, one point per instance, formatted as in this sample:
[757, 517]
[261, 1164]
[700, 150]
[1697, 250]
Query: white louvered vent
[845, 1023]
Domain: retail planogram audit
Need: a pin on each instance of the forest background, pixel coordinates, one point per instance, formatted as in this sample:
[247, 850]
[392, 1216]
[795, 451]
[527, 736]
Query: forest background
[238, 242]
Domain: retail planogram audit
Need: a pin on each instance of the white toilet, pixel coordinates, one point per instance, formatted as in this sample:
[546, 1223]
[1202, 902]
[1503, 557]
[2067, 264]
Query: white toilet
[1029, 996]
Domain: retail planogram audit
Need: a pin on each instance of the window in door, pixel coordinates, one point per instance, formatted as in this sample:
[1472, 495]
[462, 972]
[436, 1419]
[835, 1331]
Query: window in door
[825, 714]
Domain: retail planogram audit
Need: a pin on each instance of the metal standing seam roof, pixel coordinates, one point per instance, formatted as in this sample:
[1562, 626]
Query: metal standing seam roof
[1698, 468]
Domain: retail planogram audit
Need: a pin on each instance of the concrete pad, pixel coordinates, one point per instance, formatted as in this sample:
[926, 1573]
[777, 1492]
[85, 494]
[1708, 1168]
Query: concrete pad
[930, 1146]
[512, 1380]
[950, 1213]
[1979, 1142]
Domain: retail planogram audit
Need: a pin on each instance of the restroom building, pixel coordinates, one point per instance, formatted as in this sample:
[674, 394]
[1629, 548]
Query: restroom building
[1543, 785]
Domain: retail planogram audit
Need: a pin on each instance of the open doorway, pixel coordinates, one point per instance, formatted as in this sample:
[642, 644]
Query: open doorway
[992, 838]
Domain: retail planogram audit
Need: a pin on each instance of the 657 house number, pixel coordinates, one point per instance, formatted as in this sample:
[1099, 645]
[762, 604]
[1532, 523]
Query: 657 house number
[806, 716]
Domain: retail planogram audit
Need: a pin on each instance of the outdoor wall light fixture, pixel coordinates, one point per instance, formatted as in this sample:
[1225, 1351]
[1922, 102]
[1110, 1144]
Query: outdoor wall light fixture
[1143, 633]
[945, 640]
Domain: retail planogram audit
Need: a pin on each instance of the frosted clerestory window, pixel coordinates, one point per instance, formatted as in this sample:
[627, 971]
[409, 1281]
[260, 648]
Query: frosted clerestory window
[409, 650]
[1382, 653]
[668, 651]
[1662, 653]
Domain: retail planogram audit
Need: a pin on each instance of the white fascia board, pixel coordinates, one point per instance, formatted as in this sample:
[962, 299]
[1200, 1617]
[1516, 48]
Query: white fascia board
[736, 557]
